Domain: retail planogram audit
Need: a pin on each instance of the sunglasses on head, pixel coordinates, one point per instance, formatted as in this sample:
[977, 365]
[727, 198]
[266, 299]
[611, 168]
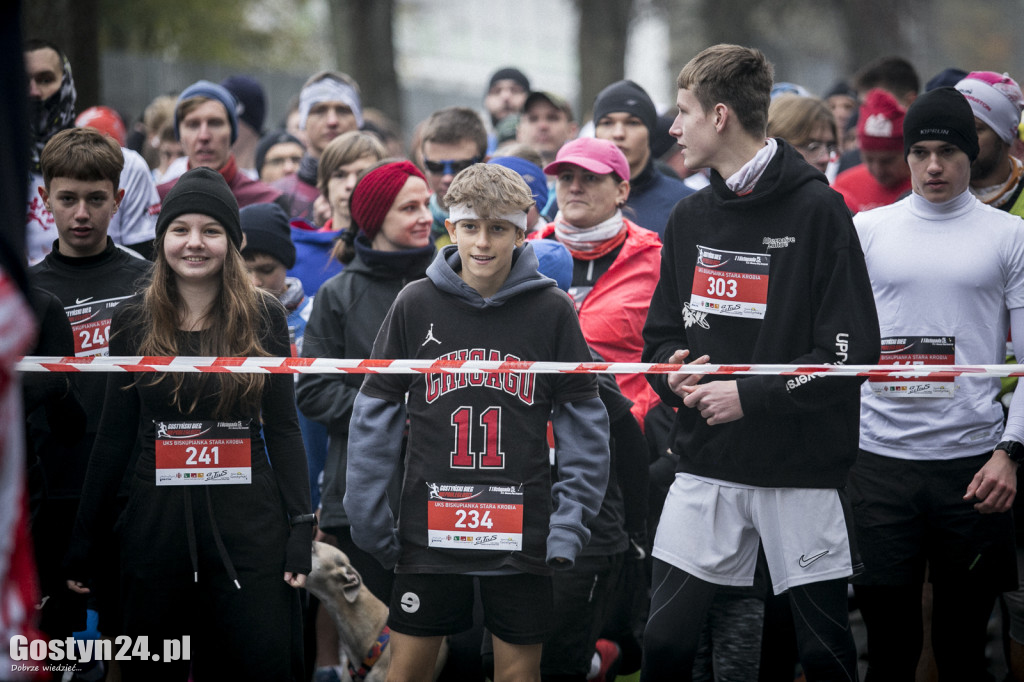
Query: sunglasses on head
[450, 166]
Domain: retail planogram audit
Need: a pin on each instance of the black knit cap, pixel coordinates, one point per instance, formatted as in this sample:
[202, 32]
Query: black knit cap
[629, 97]
[268, 141]
[510, 73]
[267, 231]
[941, 114]
[202, 190]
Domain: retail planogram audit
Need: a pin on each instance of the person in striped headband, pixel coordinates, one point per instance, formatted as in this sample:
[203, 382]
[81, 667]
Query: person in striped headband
[478, 505]
[329, 105]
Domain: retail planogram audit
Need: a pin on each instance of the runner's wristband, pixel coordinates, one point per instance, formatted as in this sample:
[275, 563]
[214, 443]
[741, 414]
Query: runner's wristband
[302, 518]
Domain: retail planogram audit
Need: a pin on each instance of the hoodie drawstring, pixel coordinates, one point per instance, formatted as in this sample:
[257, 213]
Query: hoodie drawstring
[190, 531]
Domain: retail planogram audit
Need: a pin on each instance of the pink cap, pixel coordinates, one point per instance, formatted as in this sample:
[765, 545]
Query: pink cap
[597, 156]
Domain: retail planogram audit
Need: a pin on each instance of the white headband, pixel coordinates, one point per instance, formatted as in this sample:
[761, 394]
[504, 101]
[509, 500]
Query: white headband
[992, 106]
[329, 90]
[467, 212]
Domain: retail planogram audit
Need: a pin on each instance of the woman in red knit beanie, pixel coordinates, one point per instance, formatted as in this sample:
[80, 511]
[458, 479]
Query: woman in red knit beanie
[389, 245]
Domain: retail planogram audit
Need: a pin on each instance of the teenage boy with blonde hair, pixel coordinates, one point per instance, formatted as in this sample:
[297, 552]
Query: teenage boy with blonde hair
[769, 454]
[477, 502]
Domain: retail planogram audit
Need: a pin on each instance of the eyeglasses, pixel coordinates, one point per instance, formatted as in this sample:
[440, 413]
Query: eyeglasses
[818, 146]
[450, 166]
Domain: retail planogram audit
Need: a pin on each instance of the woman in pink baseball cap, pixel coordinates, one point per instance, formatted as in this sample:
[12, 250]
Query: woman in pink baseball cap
[615, 261]
[615, 268]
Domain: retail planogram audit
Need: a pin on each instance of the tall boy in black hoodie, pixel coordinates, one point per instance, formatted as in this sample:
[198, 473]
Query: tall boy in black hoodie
[763, 266]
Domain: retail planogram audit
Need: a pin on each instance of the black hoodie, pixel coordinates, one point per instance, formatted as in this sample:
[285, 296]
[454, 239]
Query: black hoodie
[796, 431]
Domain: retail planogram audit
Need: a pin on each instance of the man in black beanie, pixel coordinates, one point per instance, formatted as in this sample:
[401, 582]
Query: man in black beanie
[937, 470]
[506, 93]
[625, 115]
[504, 100]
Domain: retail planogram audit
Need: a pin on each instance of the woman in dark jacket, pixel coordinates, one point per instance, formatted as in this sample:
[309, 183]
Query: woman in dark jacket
[387, 246]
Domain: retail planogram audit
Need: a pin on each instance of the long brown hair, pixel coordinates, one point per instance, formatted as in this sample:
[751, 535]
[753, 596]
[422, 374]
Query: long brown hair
[233, 324]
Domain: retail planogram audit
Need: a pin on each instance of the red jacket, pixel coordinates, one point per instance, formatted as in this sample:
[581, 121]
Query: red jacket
[246, 190]
[862, 192]
[613, 313]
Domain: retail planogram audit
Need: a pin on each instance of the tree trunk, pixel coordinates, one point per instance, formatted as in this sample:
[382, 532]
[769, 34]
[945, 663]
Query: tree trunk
[729, 21]
[73, 25]
[14, 140]
[873, 28]
[603, 29]
[366, 51]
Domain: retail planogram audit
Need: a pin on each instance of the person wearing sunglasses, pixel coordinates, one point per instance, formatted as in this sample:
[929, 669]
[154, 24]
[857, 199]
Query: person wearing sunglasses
[453, 139]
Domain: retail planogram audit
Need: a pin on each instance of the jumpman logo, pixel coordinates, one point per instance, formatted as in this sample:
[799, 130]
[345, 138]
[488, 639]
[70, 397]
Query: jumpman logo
[430, 337]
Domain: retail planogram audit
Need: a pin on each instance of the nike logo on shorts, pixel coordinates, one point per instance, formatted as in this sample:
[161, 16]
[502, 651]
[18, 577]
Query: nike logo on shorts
[806, 561]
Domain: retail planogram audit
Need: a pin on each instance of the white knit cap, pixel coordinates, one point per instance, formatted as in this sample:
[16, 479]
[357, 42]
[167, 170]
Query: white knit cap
[996, 99]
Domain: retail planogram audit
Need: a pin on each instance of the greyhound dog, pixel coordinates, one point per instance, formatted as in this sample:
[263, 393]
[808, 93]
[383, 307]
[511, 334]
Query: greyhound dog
[359, 617]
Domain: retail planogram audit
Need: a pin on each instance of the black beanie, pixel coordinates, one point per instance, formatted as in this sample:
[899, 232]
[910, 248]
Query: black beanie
[202, 190]
[941, 114]
[268, 141]
[510, 73]
[629, 97]
[267, 231]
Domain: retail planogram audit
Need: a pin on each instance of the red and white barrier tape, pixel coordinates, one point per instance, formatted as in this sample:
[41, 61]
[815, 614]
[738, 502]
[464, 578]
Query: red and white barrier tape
[280, 365]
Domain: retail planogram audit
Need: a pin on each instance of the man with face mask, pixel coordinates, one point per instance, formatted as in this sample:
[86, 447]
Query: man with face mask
[51, 97]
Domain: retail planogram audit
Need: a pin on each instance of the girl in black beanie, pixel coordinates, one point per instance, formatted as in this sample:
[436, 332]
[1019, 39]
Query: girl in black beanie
[218, 505]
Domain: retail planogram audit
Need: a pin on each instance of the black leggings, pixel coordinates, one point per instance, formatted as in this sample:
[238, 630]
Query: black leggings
[679, 606]
[892, 615]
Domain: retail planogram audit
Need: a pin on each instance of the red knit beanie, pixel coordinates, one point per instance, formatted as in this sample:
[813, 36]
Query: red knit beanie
[880, 122]
[376, 191]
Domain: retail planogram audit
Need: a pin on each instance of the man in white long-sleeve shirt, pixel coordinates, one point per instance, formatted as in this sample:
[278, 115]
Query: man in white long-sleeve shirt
[936, 473]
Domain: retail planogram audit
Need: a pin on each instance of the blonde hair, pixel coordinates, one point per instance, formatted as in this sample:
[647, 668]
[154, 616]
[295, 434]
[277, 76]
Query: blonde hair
[739, 77]
[490, 189]
[345, 149]
[794, 118]
[189, 105]
[159, 114]
[234, 321]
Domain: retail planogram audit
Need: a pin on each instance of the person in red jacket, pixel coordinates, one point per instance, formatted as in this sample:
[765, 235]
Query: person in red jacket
[884, 176]
[615, 261]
